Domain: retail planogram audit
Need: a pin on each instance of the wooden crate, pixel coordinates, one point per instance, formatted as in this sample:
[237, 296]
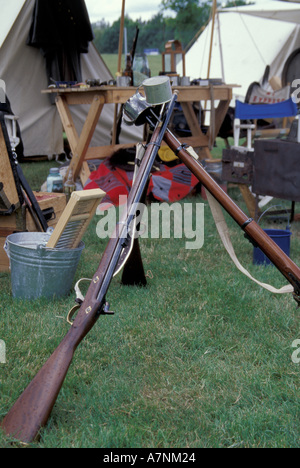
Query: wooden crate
[6, 174]
[237, 166]
[22, 221]
[57, 201]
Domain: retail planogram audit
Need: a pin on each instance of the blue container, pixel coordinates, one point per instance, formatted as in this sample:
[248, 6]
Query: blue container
[281, 237]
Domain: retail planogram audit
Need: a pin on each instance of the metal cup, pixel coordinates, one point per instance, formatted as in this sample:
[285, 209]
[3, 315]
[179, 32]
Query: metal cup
[185, 81]
[158, 90]
[136, 110]
[123, 81]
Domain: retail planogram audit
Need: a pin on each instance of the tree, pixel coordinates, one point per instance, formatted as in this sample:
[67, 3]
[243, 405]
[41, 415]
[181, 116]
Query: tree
[155, 33]
[179, 5]
[107, 37]
[190, 17]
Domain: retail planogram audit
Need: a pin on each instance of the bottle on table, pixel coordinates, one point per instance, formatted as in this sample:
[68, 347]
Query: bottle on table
[55, 181]
[69, 185]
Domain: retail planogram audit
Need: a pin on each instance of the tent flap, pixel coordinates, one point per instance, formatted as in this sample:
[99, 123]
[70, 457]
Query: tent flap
[245, 42]
[23, 70]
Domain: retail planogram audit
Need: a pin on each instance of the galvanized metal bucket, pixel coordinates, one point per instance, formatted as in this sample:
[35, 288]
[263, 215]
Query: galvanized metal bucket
[37, 271]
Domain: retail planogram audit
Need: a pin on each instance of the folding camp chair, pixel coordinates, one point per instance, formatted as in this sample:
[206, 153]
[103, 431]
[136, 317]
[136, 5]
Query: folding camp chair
[252, 112]
[238, 160]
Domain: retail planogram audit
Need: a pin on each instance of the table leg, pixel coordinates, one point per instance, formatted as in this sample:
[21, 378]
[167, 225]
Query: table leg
[249, 199]
[79, 145]
[84, 173]
[114, 129]
[67, 122]
[202, 140]
[220, 114]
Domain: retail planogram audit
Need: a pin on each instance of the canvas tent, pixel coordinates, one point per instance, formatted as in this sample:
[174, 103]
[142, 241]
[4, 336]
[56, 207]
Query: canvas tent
[23, 70]
[245, 41]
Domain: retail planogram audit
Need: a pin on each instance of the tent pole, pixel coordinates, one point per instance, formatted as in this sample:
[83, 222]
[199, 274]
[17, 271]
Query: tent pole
[220, 48]
[119, 72]
[121, 38]
[214, 9]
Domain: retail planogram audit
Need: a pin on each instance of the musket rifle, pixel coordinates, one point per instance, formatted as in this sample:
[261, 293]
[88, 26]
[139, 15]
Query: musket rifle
[33, 408]
[130, 58]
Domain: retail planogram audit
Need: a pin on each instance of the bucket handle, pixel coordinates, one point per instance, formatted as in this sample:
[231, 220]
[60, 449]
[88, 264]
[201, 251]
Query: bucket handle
[277, 206]
[6, 248]
[137, 92]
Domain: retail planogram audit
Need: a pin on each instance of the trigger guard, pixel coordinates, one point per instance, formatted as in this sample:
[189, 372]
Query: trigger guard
[71, 314]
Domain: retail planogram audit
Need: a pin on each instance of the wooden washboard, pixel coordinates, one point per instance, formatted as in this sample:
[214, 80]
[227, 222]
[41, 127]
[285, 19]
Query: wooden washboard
[75, 219]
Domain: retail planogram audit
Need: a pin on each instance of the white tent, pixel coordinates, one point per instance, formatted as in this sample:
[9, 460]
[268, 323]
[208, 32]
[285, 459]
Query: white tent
[22, 68]
[245, 40]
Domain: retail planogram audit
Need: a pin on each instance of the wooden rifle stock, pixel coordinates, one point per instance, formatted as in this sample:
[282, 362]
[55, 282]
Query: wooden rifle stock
[33, 408]
[253, 231]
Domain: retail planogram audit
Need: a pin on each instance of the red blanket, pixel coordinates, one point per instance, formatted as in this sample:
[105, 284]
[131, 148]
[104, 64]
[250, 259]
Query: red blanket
[166, 184]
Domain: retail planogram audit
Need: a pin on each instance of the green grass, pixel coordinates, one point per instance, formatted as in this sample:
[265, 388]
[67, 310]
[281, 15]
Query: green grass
[201, 357]
[111, 60]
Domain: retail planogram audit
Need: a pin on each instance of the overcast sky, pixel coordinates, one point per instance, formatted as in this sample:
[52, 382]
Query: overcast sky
[110, 10]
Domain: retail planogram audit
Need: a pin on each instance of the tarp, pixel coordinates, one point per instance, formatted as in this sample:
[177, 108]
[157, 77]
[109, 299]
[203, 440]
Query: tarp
[246, 40]
[23, 70]
[276, 10]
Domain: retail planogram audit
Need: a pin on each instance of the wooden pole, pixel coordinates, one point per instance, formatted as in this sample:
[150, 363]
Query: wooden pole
[119, 72]
[121, 38]
[214, 9]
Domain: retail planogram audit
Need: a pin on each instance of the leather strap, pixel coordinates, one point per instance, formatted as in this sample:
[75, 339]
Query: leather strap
[225, 237]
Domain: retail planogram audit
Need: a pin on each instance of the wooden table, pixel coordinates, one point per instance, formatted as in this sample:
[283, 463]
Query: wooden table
[97, 97]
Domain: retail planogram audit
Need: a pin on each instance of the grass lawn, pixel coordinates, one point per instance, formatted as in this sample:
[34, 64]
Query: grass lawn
[201, 357]
[111, 60]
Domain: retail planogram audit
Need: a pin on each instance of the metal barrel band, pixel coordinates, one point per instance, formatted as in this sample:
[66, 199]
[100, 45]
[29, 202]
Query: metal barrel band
[246, 223]
[184, 146]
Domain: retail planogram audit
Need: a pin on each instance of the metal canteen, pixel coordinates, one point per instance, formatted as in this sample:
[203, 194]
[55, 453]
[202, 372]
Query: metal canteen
[136, 110]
